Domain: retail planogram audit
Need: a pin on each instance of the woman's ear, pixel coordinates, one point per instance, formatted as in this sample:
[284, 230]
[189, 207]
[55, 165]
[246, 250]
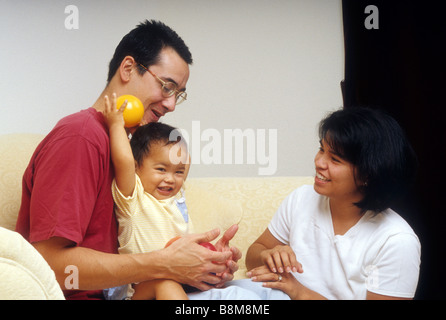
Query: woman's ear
[126, 68]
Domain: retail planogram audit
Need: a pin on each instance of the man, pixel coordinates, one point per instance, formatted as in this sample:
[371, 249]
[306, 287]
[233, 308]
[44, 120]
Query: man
[67, 206]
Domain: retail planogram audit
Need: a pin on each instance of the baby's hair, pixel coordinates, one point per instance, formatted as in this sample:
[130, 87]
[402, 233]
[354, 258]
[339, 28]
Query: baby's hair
[147, 135]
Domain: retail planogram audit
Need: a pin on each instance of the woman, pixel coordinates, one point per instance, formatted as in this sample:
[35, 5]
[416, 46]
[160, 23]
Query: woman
[339, 239]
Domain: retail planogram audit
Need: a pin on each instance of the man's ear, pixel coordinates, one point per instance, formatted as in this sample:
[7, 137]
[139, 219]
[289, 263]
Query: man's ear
[126, 68]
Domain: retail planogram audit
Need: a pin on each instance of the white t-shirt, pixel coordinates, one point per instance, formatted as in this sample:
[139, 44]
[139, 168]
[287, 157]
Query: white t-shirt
[380, 253]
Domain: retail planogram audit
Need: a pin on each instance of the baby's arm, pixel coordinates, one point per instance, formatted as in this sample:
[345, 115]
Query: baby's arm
[121, 152]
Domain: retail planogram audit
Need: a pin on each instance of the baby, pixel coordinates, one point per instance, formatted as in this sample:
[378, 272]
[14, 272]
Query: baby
[149, 199]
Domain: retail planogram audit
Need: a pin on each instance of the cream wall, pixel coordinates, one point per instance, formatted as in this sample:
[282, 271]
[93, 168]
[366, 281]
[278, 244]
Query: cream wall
[271, 67]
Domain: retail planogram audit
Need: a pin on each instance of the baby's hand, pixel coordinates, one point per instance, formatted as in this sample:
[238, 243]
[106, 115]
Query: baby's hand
[112, 114]
[281, 258]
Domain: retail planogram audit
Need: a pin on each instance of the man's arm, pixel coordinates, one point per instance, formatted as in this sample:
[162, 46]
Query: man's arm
[184, 261]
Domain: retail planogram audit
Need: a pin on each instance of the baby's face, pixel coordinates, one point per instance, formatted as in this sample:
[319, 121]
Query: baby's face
[163, 171]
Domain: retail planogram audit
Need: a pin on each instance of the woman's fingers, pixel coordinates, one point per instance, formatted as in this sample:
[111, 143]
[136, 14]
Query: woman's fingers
[263, 274]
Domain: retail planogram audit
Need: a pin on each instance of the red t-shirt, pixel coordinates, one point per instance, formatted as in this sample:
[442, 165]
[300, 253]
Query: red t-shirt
[66, 188]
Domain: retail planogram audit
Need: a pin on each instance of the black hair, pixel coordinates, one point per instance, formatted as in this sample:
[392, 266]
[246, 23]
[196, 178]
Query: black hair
[375, 144]
[147, 135]
[144, 44]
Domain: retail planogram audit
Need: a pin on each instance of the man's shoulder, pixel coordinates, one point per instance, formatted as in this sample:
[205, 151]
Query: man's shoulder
[87, 119]
[86, 124]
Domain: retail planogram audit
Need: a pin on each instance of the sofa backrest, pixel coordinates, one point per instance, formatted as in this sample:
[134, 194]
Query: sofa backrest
[15, 152]
[24, 274]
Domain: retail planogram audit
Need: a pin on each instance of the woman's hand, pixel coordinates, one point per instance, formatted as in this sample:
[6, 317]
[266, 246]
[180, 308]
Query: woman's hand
[285, 282]
[281, 259]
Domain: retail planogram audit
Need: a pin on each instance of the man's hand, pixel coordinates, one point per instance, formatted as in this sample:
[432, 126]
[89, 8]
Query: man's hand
[231, 264]
[189, 263]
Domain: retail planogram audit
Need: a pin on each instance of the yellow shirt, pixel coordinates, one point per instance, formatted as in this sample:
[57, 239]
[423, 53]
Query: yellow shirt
[145, 223]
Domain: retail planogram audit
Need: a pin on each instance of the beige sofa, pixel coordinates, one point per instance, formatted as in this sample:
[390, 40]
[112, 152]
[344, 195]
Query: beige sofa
[212, 203]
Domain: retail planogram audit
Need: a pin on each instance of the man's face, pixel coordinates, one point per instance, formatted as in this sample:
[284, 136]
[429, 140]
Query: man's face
[148, 89]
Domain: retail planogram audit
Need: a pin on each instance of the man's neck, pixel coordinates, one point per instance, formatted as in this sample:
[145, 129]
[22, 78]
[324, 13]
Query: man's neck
[99, 105]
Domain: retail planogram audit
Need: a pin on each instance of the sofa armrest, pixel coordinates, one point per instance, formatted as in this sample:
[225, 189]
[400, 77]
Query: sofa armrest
[24, 273]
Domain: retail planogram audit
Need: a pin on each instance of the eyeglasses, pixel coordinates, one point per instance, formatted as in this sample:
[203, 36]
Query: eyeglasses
[169, 88]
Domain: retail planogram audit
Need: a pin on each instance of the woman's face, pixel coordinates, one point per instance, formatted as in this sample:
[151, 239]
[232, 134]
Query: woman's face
[335, 176]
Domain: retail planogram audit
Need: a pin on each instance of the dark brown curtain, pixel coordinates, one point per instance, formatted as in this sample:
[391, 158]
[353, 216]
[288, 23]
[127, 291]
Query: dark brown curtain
[401, 68]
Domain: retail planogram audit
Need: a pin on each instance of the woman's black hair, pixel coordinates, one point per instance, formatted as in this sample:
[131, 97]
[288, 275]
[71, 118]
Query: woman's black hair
[375, 144]
[144, 44]
[155, 132]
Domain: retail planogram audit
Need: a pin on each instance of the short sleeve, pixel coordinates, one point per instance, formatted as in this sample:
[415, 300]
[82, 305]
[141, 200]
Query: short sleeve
[281, 223]
[66, 184]
[126, 204]
[396, 268]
